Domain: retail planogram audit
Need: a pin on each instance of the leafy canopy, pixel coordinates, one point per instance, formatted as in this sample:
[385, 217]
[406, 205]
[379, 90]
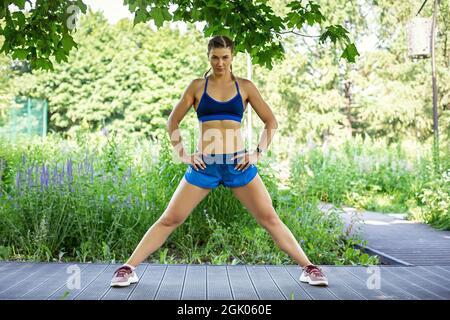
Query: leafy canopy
[42, 31]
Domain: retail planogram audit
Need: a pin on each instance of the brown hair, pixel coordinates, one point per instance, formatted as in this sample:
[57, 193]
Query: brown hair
[220, 42]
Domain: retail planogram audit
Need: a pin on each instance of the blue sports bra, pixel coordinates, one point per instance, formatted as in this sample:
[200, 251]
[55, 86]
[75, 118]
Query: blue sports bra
[210, 109]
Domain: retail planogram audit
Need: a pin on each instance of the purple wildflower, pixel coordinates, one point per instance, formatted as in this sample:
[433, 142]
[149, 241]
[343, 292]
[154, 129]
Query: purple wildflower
[36, 174]
[129, 206]
[111, 198]
[105, 131]
[61, 176]
[92, 173]
[145, 191]
[18, 180]
[42, 177]
[69, 170]
[30, 176]
[55, 175]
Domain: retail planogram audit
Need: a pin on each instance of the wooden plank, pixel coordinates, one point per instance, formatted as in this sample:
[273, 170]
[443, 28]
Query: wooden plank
[444, 269]
[426, 282]
[12, 267]
[4, 264]
[404, 240]
[436, 274]
[57, 281]
[341, 289]
[122, 293]
[15, 269]
[413, 253]
[88, 274]
[420, 256]
[172, 283]
[149, 282]
[240, 283]
[290, 289]
[411, 286]
[45, 272]
[264, 285]
[19, 274]
[315, 292]
[390, 286]
[218, 287]
[195, 283]
[96, 289]
[357, 284]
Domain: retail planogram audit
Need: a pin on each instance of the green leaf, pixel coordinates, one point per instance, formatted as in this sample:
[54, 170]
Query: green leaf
[20, 17]
[55, 38]
[132, 6]
[67, 42]
[350, 52]
[213, 4]
[60, 55]
[158, 16]
[20, 3]
[166, 14]
[82, 6]
[20, 54]
[140, 16]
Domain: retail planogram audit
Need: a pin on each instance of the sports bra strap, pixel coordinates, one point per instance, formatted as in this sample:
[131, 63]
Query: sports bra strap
[206, 84]
[237, 86]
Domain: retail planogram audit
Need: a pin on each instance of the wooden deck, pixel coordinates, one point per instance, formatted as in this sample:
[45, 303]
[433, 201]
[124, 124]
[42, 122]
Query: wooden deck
[50, 281]
[396, 240]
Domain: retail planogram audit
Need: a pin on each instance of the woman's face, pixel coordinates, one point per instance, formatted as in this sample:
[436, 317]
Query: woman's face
[220, 60]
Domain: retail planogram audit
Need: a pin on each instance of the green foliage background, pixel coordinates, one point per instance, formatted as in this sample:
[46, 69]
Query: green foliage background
[128, 79]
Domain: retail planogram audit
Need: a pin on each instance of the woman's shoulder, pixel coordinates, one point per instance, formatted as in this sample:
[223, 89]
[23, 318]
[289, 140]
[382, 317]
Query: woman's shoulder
[196, 82]
[243, 82]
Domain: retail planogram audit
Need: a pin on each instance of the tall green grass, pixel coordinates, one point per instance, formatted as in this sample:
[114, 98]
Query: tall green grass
[92, 199]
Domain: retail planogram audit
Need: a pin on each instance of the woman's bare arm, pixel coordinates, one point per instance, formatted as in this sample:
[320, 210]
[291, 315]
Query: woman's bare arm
[264, 112]
[177, 114]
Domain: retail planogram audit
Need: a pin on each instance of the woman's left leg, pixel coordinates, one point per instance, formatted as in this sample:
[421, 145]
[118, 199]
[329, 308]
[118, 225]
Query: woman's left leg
[255, 197]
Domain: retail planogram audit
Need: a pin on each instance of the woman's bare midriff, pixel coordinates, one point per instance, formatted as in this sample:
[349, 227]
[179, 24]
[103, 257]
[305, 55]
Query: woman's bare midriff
[220, 136]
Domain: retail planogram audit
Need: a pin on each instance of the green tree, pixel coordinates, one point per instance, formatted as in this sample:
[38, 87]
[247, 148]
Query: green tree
[45, 31]
[122, 77]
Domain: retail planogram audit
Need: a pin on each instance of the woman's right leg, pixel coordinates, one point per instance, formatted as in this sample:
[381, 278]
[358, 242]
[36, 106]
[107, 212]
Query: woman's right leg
[185, 198]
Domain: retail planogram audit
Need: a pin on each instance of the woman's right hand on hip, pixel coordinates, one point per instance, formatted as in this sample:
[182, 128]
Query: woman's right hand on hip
[195, 160]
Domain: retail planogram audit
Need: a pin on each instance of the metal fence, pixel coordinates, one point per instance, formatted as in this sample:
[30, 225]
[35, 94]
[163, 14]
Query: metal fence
[28, 116]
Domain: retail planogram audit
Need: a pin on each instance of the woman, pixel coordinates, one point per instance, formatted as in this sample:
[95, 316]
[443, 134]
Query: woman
[220, 159]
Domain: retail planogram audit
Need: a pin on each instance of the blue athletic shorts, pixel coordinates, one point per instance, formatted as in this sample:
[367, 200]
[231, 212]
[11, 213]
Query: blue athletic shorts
[220, 170]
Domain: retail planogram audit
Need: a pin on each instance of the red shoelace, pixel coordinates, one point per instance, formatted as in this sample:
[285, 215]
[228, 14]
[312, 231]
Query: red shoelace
[314, 270]
[123, 270]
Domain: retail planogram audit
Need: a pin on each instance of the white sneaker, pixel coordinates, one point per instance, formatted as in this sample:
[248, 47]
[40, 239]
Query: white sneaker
[123, 277]
[314, 276]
